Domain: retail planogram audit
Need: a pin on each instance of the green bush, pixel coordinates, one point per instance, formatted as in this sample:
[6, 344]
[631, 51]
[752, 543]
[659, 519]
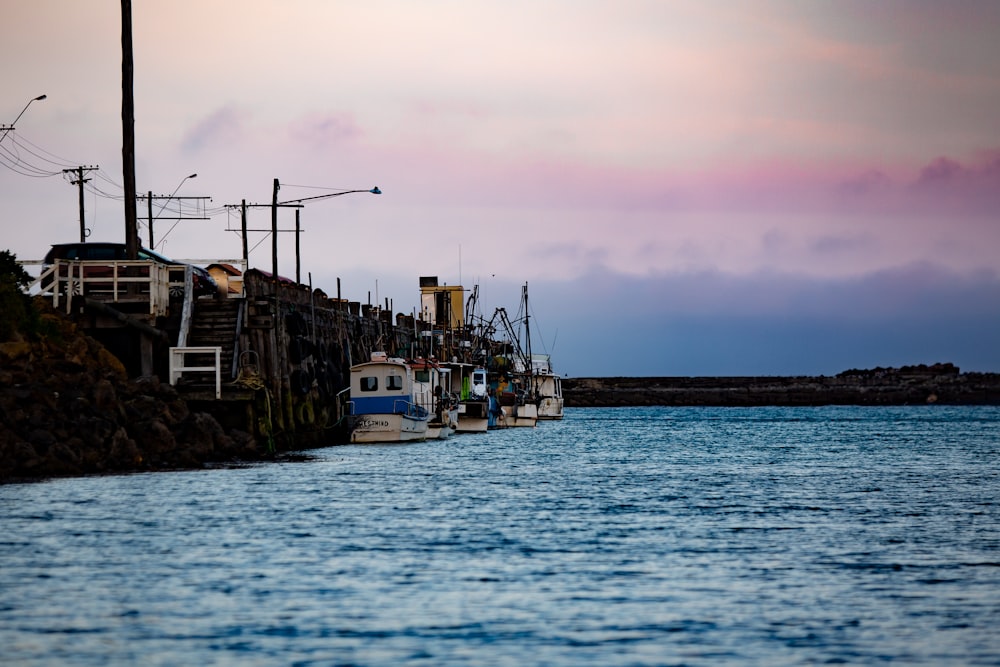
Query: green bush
[18, 316]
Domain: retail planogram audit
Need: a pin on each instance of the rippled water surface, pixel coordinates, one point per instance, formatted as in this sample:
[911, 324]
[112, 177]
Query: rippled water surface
[615, 537]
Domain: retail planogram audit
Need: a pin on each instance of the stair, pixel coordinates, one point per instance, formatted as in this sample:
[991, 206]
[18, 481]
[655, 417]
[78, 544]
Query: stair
[214, 325]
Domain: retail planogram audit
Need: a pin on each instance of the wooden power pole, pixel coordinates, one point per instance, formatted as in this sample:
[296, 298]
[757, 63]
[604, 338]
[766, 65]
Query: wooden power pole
[80, 180]
[128, 135]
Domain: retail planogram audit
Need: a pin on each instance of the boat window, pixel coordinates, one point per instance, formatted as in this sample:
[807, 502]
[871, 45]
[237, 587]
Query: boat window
[394, 382]
[369, 383]
[422, 376]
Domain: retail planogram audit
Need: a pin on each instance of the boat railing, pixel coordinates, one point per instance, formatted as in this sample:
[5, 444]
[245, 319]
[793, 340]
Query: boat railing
[401, 406]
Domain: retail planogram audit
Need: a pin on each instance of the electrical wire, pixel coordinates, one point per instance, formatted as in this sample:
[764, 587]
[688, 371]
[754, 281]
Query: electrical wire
[13, 160]
[25, 158]
[60, 161]
[29, 147]
[23, 170]
[13, 156]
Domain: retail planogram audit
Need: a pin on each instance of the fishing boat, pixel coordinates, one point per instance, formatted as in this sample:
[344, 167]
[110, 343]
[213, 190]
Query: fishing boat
[468, 382]
[514, 382]
[432, 392]
[547, 387]
[383, 407]
[517, 406]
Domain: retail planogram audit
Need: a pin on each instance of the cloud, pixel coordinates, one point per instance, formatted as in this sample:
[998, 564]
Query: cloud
[870, 182]
[841, 246]
[947, 184]
[714, 323]
[323, 131]
[222, 128]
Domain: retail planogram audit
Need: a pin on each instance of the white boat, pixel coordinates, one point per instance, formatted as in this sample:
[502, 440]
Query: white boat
[382, 406]
[547, 387]
[516, 401]
[432, 392]
[468, 382]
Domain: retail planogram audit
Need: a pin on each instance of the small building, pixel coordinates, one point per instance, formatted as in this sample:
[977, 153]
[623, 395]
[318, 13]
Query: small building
[441, 306]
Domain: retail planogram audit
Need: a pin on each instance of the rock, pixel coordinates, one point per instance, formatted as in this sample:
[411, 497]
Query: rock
[105, 396]
[61, 460]
[67, 408]
[124, 454]
[15, 350]
[152, 437]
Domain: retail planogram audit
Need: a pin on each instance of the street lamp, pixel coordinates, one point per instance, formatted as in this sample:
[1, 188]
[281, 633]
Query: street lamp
[298, 272]
[11, 126]
[150, 203]
[274, 225]
[374, 191]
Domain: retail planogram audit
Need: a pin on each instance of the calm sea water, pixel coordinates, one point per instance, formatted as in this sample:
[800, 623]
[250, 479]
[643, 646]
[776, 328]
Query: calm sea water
[616, 537]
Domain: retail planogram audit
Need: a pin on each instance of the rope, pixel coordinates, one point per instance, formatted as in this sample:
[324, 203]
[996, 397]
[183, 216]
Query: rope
[249, 377]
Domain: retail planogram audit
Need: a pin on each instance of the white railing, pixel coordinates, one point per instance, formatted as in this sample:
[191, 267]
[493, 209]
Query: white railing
[234, 283]
[178, 358]
[109, 281]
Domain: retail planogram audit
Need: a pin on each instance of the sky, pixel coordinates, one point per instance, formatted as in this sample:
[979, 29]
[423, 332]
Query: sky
[769, 187]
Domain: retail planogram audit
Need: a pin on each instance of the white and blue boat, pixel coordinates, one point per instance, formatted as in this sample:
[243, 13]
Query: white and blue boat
[383, 407]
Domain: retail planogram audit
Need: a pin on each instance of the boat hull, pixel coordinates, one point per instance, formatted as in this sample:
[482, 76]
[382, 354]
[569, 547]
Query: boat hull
[377, 428]
[518, 416]
[550, 408]
[473, 417]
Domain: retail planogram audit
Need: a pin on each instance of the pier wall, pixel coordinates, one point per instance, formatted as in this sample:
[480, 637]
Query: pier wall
[292, 359]
[884, 388]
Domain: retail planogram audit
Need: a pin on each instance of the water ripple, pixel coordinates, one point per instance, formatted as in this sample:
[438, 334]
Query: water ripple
[705, 536]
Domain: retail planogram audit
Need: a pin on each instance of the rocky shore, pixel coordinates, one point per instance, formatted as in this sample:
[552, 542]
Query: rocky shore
[67, 408]
[912, 385]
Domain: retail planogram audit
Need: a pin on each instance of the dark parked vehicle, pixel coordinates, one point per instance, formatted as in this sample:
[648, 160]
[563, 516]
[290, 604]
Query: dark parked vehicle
[98, 251]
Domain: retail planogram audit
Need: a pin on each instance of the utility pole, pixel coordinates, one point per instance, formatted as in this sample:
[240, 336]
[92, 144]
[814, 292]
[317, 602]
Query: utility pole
[274, 238]
[149, 207]
[199, 207]
[80, 180]
[298, 260]
[243, 224]
[128, 135]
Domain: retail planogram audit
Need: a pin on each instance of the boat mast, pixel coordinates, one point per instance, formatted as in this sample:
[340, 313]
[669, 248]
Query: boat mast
[527, 336]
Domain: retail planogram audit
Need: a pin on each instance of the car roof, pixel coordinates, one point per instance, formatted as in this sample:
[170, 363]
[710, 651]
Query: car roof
[104, 244]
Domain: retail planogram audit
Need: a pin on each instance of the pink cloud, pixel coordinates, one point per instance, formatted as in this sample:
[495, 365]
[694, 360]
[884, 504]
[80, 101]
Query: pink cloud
[221, 128]
[325, 130]
[973, 188]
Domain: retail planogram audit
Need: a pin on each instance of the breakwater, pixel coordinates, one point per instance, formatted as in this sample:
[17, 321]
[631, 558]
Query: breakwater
[910, 386]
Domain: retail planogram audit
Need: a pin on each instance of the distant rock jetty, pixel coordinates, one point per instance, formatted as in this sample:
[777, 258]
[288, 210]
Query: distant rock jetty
[909, 385]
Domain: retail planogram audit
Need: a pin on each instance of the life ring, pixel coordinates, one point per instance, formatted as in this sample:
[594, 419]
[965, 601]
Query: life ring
[296, 323]
[301, 381]
[325, 379]
[305, 413]
[295, 350]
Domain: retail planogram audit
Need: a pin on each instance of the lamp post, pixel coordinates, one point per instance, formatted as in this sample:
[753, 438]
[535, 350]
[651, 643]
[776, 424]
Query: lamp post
[11, 126]
[274, 229]
[149, 201]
